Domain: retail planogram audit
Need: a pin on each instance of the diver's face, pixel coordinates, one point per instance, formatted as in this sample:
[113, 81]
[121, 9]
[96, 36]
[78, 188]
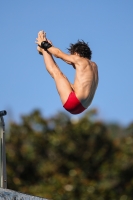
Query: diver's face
[75, 53]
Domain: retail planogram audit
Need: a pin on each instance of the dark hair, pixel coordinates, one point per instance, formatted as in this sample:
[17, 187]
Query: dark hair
[81, 48]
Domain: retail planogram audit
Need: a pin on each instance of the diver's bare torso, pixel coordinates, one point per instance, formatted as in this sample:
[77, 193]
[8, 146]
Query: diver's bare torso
[86, 80]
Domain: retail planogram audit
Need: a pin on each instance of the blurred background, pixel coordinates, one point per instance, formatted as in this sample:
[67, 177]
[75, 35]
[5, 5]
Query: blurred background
[54, 154]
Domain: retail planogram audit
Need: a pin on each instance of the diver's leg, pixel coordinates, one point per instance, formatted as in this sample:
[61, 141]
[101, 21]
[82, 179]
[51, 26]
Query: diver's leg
[62, 84]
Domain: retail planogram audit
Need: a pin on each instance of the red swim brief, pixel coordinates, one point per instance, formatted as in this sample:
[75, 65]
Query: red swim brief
[73, 105]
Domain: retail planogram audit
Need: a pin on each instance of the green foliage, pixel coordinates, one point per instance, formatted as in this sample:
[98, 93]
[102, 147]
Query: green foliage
[59, 158]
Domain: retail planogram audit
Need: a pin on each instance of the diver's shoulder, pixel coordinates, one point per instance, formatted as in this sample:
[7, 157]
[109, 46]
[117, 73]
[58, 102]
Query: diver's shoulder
[93, 63]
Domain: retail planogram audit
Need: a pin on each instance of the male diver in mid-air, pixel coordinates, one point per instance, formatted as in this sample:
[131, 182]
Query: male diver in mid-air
[78, 96]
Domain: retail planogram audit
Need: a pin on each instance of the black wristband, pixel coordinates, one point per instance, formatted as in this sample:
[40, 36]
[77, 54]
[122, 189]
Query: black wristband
[45, 45]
